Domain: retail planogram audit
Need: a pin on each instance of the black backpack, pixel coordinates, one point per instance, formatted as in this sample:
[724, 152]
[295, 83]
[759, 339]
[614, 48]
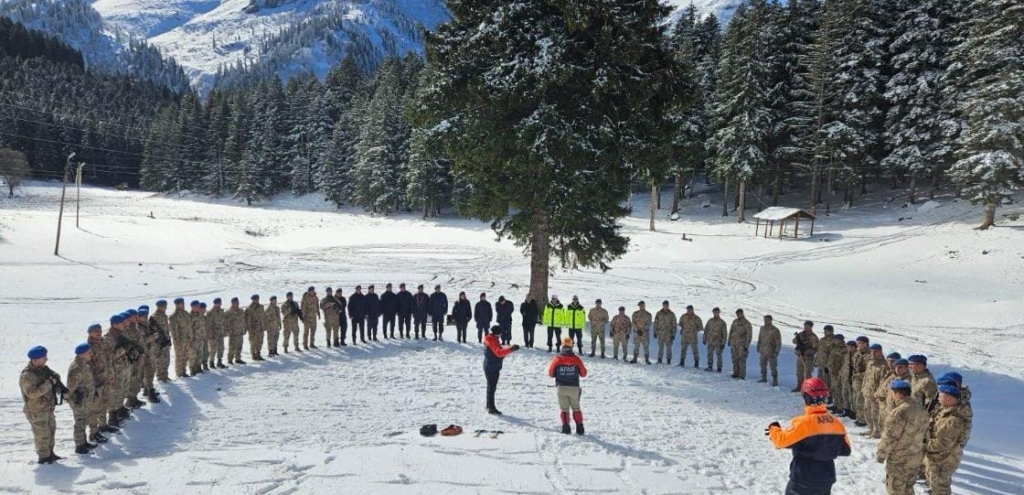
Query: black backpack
[428, 430]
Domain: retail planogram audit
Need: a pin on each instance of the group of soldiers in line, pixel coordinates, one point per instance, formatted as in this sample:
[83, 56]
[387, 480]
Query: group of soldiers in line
[111, 369]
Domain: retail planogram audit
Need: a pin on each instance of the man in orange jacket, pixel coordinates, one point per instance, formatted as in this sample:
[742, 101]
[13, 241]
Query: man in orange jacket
[816, 439]
[567, 368]
[494, 354]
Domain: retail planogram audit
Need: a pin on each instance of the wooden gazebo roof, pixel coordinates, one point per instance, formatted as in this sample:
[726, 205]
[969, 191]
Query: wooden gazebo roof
[784, 216]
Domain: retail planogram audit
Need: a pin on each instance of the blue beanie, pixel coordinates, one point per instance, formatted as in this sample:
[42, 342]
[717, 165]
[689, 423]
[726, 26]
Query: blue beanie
[130, 312]
[37, 352]
[180, 300]
[254, 297]
[893, 355]
[950, 390]
[143, 310]
[234, 299]
[839, 336]
[95, 326]
[951, 378]
[899, 384]
[918, 358]
[901, 362]
[82, 348]
[851, 342]
[161, 303]
[289, 294]
[202, 305]
[114, 320]
[216, 300]
[876, 347]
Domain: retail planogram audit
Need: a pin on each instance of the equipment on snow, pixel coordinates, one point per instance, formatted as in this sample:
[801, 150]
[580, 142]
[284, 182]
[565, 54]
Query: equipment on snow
[451, 431]
[428, 430]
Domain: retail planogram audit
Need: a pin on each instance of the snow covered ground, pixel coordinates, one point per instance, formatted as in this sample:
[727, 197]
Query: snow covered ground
[918, 280]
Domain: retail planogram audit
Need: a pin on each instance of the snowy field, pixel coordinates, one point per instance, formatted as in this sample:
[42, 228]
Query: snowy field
[917, 280]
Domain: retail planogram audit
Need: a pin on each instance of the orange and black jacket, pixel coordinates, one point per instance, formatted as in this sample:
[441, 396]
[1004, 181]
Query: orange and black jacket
[494, 353]
[816, 438]
[567, 368]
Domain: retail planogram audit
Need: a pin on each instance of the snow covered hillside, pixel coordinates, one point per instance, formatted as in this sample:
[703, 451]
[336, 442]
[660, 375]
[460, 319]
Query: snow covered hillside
[916, 279]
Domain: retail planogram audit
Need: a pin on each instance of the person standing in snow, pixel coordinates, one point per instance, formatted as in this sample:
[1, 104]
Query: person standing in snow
[529, 311]
[494, 356]
[234, 325]
[665, 331]
[816, 438]
[598, 317]
[714, 340]
[404, 312]
[576, 318]
[438, 310]
[162, 358]
[641, 333]
[482, 315]
[462, 312]
[81, 395]
[310, 306]
[902, 444]
[290, 315]
[689, 326]
[357, 313]
[620, 334]
[503, 314]
[944, 443]
[740, 335]
[215, 335]
[823, 354]
[255, 320]
[769, 343]
[389, 310]
[273, 325]
[420, 310]
[39, 389]
[552, 318]
[567, 369]
[922, 384]
[332, 326]
[806, 347]
[372, 313]
[181, 335]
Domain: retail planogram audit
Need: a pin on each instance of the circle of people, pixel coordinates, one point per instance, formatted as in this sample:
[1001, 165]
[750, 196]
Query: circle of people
[923, 423]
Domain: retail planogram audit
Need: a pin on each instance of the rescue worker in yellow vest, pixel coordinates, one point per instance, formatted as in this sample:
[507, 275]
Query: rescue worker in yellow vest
[576, 319]
[553, 317]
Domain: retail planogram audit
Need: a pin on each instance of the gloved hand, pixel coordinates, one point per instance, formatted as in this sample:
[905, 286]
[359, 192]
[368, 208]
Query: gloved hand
[768, 430]
[515, 347]
[880, 459]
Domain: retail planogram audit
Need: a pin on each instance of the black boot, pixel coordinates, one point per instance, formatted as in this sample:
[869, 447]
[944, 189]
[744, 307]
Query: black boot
[82, 449]
[579, 428]
[152, 397]
[96, 437]
[109, 428]
[647, 360]
[591, 354]
[566, 429]
[634, 361]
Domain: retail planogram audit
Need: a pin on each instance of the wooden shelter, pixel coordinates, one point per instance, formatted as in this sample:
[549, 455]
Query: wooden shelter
[784, 216]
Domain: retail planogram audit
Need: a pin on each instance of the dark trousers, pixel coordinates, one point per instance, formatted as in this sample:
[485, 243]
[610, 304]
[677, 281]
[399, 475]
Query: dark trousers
[460, 331]
[555, 332]
[576, 334]
[438, 328]
[371, 327]
[420, 325]
[361, 325]
[405, 324]
[528, 335]
[389, 322]
[481, 330]
[343, 323]
[793, 488]
[506, 332]
[492, 386]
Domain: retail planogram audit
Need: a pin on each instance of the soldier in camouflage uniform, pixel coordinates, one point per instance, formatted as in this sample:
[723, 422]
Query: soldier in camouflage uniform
[82, 396]
[255, 319]
[598, 317]
[769, 344]
[106, 382]
[876, 370]
[310, 313]
[945, 440]
[215, 335]
[714, 340]
[902, 445]
[620, 334]
[37, 383]
[290, 315]
[181, 336]
[805, 345]
[836, 366]
[150, 345]
[135, 368]
[641, 333]
[824, 354]
[923, 388]
[330, 306]
[665, 331]
[234, 326]
[898, 370]
[115, 340]
[162, 326]
[741, 334]
[273, 325]
[954, 378]
[197, 322]
[689, 326]
[859, 362]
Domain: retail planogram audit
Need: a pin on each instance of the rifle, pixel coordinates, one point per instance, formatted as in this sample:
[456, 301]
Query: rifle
[162, 339]
[295, 310]
[132, 351]
[58, 388]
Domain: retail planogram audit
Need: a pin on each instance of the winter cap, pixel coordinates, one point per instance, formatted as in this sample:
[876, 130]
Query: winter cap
[131, 312]
[891, 355]
[370, 286]
[501, 298]
[193, 304]
[179, 300]
[82, 348]
[328, 289]
[311, 289]
[899, 385]
[716, 310]
[575, 297]
[496, 330]
[273, 298]
[202, 305]
[254, 297]
[739, 311]
[387, 285]
[597, 300]
[840, 338]
[918, 358]
[828, 327]
[114, 320]
[95, 326]
[37, 352]
[622, 308]
[863, 339]
[641, 303]
[664, 303]
[289, 294]
[808, 323]
[901, 362]
[437, 287]
[161, 303]
[851, 343]
[876, 347]
[216, 300]
[689, 306]
[951, 378]
[234, 299]
[359, 287]
[950, 390]
[554, 296]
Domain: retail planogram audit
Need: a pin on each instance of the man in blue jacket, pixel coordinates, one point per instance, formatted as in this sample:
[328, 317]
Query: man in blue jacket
[816, 439]
[357, 312]
[389, 309]
[372, 313]
[438, 310]
[482, 315]
[404, 312]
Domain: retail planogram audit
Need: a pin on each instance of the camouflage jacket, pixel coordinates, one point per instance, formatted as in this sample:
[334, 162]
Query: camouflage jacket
[947, 432]
[741, 333]
[598, 318]
[81, 384]
[181, 328]
[665, 324]
[254, 318]
[234, 322]
[769, 341]
[272, 317]
[903, 436]
[690, 326]
[923, 388]
[621, 325]
[641, 322]
[215, 324]
[36, 389]
[714, 332]
[310, 306]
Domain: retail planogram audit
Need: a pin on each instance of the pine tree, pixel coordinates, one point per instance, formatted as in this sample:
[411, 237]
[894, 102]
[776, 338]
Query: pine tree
[991, 159]
[337, 163]
[540, 108]
[382, 151]
[691, 118]
[429, 175]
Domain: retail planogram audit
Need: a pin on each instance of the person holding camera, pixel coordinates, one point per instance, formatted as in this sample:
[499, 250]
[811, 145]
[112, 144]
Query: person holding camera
[42, 390]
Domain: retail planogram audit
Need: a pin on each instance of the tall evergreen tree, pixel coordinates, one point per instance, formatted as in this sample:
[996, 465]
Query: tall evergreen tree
[547, 94]
[382, 151]
[991, 160]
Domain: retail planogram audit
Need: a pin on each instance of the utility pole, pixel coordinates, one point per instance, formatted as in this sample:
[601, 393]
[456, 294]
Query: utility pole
[63, 191]
[78, 193]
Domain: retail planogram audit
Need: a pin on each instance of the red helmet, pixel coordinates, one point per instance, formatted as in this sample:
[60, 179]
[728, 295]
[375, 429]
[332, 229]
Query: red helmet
[814, 388]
